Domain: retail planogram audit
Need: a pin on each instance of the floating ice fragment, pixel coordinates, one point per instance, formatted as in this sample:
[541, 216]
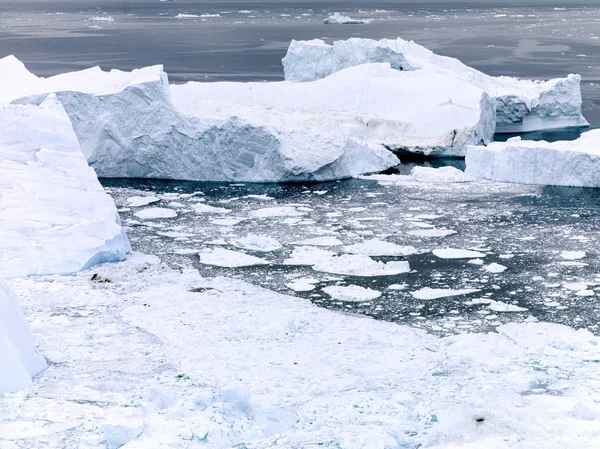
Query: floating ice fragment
[155, 212]
[230, 259]
[452, 253]
[137, 201]
[437, 293]
[351, 293]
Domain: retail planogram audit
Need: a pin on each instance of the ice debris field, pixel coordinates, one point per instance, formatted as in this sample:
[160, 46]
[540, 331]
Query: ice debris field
[403, 308]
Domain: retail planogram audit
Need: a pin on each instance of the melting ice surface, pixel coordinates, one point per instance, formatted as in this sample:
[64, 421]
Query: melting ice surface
[506, 254]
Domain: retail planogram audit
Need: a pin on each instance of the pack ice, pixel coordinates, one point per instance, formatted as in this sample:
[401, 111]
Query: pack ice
[521, 105]
[562, 163]
[19, 361]
[129, 126]
[54, 215]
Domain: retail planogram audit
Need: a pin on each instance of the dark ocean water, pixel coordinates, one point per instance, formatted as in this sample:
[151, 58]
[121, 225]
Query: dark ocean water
[531, 39]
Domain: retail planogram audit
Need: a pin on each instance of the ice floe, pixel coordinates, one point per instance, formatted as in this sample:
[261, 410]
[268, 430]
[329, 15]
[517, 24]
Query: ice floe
[156, 213]
[453, 253]
[351, 293]
[376, 247]
[359, 265]
[338, 19]
[259, 243]
[521, 105]
[138, 201]
[221, 257]
[428, 293]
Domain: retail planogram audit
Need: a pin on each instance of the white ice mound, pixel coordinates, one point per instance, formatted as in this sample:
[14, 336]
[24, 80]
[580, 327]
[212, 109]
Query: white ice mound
[19, 361]
[563, 163]
[128, 126]
[522, 105]
[54, 215]
[351, 114]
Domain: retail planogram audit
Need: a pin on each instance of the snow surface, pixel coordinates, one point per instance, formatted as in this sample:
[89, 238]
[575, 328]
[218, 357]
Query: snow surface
[563, 163]
[163, 358]
[522, 105]
[352, 109]
[55, 215]
[19, 361]
[171, 136]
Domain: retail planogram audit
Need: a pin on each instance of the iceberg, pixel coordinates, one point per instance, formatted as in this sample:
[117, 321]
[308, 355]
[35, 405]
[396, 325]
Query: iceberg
[55, 215]
[19, 361]
[359, 108]
[563, 163]
[129, 126]
[521, 105]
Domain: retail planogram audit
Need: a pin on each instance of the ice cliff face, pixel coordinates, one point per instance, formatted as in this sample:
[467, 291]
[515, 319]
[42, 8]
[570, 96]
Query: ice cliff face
[574, 163]
[522, 105]
[55, 215]
[134, 129]
[19, 361]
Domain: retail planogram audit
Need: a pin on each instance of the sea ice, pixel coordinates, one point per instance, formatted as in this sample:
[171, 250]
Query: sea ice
[155, 212]
[271, 212]
[221, 257]
[351, 293]
[437, 293]
[200, 208]
[495, 268]
[338, 19]
[56, 217]
[521, 105]
[452, 253]
[572, 255]
[138, 201]
[432, 233]
[19, 361]
[307, 255]
[376, 247]
[319, 241]
[359, 265]
[564, 163]
[259, 243]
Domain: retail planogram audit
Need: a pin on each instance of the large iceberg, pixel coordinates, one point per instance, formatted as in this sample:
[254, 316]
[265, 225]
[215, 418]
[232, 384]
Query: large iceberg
[129, 126]
[19, 361]
[419, 112]
[575, 163]
[522, 105]
[55, 215]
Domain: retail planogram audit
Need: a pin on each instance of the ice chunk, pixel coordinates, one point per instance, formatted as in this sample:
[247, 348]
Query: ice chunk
[19, 361]
[207, 209]
[338, 19]
[432, 113]
[452, 253]
[572, 255]
[257, 243]
[281, 211]
[437, 293]
[423, 175]
[194, 137]
[351, 293]
[155, 212]
[495, 268]
[231, 259]
[522, 105]
[376, 247]
[359, 265]
[302, 285]
[55, 215]
[307, 255]
[320, 241]
[432, 233]
[562, 163]
[137, 201]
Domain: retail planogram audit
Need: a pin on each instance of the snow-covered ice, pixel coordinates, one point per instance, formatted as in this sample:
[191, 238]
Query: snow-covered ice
[138, 201]
[351, 293]
[308, 255]
[521, 105]
[563, 163]
[19, 361]
[55, 215]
